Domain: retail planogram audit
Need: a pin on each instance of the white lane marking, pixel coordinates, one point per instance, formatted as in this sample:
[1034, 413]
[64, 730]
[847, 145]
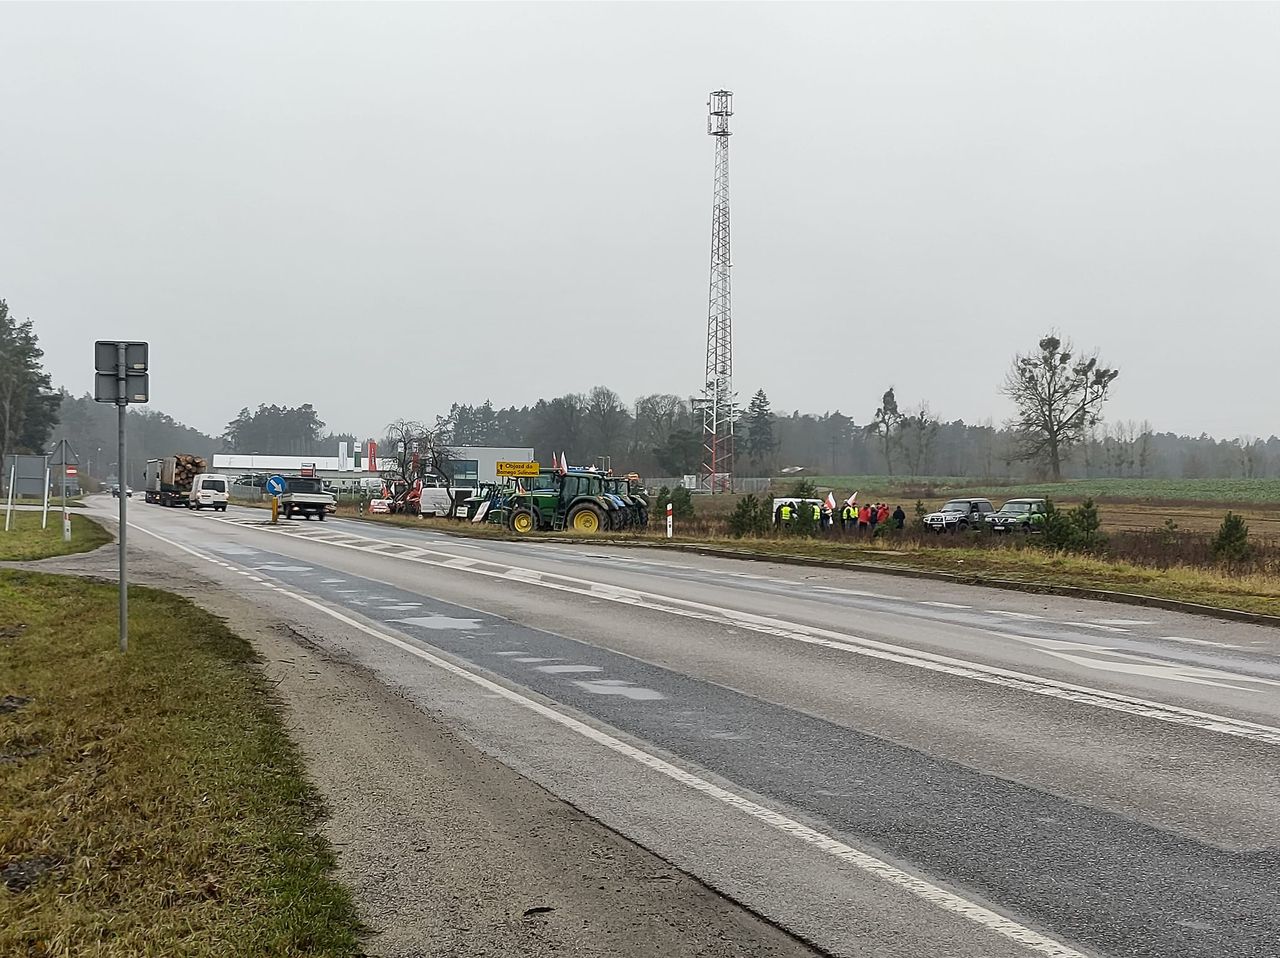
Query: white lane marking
[461, 563]
[912, 884]
[568, 669]
[279, 567]
[440, 622]
[511, 652]
[347, 591]
[1014, 615]
[839, 591]
[1122, 622]
[1216, 645]
[527, 574]
[916, 658]
[620, 687]
[530, 658]
[947, 605]
[401, 608]
[1095, 626]
[1169, 671]
[332, 581]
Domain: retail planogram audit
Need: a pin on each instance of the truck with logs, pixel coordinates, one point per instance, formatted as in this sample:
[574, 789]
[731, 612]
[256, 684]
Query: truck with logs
[168, 481]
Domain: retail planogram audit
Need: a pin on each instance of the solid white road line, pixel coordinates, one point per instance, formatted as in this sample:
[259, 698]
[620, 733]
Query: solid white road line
[912, 884]
[848, 643]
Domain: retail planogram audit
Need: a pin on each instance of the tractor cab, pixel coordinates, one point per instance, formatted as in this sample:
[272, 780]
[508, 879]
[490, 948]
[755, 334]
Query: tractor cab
[576, 501]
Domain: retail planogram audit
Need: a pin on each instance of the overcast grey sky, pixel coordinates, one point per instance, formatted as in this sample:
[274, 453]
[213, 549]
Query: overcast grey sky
[384, 208]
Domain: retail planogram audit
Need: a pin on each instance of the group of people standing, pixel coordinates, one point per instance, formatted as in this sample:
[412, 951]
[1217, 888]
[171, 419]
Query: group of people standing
[868, 516]
[852, 517]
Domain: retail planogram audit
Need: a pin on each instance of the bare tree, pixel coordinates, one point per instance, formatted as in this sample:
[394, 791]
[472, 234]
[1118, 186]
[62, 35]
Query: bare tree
[917, 432]
[1059, 399]
[420, 452]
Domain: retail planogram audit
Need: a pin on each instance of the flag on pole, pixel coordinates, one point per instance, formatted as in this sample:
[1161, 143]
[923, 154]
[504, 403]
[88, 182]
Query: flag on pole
[555, 463]
[831, 501]
[519, 487]
[564, 464]
[852, 500]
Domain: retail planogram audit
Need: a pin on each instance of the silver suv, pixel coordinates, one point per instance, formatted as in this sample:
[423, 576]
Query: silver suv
[959, 514]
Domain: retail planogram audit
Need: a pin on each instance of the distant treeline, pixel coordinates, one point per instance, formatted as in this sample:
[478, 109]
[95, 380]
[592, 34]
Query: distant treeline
[660, 435]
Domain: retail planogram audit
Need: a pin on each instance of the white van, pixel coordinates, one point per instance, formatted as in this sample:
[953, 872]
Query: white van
[208, 490]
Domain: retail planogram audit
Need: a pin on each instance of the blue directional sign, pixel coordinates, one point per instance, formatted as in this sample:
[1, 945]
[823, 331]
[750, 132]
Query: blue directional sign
[275, 486]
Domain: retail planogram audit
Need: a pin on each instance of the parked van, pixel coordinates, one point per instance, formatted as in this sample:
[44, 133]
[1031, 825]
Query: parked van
[208, 490]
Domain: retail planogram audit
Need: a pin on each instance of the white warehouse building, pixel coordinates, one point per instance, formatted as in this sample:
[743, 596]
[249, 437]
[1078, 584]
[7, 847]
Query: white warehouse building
[472, 465]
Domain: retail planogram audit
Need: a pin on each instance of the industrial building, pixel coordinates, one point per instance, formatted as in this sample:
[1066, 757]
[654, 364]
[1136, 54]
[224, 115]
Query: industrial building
[472, 465]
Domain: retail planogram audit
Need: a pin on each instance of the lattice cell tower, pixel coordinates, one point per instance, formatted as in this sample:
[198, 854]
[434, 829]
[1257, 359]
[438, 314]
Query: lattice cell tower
[718, 400]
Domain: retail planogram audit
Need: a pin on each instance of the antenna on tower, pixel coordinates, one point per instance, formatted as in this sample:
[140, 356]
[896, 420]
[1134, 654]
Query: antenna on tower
[718, 401]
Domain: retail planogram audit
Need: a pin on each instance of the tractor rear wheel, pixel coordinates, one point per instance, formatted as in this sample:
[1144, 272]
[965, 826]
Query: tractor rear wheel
[586, 518]
[522, 522]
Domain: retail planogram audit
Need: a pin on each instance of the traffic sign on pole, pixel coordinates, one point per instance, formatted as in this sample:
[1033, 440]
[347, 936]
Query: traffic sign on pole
[120, 377]
[522, 470]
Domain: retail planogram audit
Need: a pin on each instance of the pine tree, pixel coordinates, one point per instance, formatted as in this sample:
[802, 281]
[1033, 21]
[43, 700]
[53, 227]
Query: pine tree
[760, 443]
[28, 403]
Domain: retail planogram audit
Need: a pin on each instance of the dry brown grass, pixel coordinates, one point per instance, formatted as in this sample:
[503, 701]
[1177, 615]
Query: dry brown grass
[153, 800]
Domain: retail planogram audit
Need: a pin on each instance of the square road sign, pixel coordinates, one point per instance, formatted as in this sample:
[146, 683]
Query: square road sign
[105, 356]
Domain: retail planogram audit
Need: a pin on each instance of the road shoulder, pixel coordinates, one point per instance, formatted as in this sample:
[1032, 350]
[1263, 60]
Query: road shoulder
[448, 851]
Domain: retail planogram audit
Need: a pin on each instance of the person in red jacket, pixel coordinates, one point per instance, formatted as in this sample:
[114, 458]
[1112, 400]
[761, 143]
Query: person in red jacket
[864, 518]
[884, 511]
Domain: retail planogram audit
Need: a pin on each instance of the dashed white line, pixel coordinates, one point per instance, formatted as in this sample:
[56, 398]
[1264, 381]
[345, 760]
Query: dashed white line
[947, 605]
[1013, 615]
[1183, 639]
[870, 648]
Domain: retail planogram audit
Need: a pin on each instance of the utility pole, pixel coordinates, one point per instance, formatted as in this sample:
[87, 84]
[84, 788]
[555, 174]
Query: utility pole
[718, 401]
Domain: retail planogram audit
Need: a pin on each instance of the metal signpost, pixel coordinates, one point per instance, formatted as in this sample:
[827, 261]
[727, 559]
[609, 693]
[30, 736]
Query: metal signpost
[121, 378]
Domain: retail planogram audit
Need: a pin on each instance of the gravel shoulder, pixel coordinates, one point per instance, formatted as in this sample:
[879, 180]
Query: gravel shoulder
[449, 852]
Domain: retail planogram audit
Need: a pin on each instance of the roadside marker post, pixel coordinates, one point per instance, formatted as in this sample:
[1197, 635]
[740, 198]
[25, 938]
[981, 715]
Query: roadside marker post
[44, 516]
[8, 511]
[120, 377]
[275, 488]
[670, 521]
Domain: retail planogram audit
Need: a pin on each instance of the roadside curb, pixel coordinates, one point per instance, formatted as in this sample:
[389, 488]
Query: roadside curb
[1011, 585]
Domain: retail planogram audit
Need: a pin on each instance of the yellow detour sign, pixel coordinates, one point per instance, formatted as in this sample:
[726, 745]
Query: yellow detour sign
[525, 470]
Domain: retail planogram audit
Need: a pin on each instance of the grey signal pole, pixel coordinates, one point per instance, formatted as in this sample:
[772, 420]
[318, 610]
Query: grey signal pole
[122, 403]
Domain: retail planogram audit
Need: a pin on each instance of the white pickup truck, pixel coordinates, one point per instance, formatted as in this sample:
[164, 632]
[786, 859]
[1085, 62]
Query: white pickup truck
[304, 497]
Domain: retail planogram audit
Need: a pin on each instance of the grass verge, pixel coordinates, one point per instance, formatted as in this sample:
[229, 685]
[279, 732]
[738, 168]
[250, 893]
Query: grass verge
[1041, 568]
[151, 804]
[26, 541]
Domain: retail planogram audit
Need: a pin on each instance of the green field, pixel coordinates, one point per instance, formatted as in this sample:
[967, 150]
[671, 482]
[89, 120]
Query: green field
[1245, 491]
[25, 540]
[151, 804]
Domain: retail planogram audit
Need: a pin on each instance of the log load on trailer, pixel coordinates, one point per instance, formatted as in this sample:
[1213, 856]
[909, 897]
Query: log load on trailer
[171, 483]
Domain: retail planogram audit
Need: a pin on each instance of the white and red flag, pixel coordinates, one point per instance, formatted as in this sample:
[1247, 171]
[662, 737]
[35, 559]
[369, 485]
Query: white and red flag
[564, 464]
[831, 501]
[852, 500]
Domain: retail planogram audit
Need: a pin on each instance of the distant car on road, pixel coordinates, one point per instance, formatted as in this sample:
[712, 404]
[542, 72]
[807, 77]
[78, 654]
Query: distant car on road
[1019, 515]
[959, 515]
[115, 491]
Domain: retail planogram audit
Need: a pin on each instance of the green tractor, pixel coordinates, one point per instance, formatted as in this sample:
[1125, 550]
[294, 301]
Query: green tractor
[635, 515]
[552, 502]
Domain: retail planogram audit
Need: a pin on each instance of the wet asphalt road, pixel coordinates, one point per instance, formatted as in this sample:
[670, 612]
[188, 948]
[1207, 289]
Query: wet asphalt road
[1098, 777]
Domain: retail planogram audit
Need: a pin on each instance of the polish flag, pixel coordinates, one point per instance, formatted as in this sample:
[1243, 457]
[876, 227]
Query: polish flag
[831, 501]
[852, 500]
[564, 464]
[555, 463]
